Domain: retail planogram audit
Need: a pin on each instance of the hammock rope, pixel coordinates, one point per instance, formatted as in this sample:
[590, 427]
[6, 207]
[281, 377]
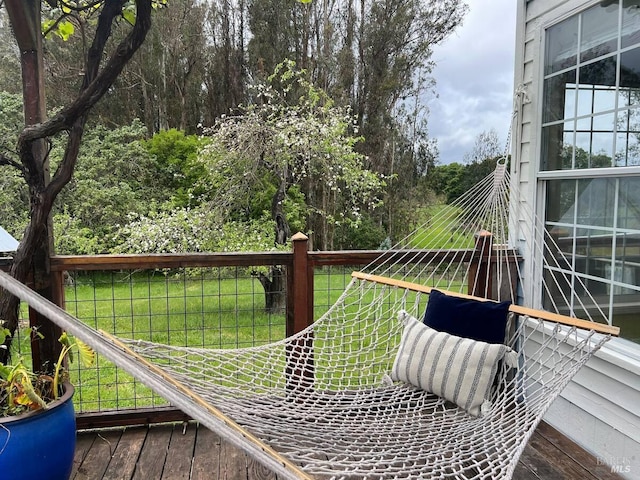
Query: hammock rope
[322, 404]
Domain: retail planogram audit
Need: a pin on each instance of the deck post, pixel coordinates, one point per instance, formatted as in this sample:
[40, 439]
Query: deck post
[479, 282]
[300, 287]
[300, 362]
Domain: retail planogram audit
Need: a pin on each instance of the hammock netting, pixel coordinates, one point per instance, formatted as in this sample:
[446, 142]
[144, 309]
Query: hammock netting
[322, 404]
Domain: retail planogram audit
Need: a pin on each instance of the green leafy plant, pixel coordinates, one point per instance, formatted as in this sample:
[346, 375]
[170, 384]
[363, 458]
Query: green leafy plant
[22, 390]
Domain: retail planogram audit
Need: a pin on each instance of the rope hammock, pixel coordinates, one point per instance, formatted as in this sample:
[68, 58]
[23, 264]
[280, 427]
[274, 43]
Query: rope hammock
[369, 390]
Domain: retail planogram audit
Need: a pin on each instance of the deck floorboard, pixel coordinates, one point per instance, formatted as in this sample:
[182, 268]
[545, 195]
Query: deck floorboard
[180, 451]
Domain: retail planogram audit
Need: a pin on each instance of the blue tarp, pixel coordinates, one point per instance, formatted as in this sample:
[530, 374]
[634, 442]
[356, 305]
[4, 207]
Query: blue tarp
[7, 242]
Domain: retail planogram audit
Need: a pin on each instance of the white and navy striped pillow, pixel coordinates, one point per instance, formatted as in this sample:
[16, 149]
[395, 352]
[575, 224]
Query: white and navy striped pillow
[458, 369]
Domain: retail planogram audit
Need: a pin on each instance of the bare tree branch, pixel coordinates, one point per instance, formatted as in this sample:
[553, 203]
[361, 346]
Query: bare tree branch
[4, 160]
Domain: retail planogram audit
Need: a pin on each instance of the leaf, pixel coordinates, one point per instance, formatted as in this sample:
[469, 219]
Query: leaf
[86, 353]
[47, 24]
[65, 30]
[28, 395]
[64, 339]
[66, 343]
[129, 14]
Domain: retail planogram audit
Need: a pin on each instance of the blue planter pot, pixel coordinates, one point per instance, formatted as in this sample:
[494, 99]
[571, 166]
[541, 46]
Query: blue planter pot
[40, 445]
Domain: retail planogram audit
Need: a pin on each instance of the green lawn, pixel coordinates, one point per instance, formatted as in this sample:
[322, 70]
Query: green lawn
[442, 227]
[196, 309]
[211, 308]
[199, 309]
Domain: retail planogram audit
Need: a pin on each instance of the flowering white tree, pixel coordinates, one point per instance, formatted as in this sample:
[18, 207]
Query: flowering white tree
[294, 137]
[296, 140]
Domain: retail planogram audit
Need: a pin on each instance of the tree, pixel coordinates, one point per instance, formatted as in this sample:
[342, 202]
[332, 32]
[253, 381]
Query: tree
[9, 65]
[177, 167]
[487, 145]
[295, 143]
[115, 177]
[448, 180]
[31, 157]
[395, 43]
[14, 196]
[225, 70]
[169, 69]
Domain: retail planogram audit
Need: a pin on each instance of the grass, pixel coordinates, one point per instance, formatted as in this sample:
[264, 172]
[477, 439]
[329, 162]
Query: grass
[211, 308]
[205, 308]
[195, 309]
[437, 231]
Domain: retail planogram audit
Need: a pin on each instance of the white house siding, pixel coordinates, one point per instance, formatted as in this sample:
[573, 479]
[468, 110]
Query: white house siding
[600, 409]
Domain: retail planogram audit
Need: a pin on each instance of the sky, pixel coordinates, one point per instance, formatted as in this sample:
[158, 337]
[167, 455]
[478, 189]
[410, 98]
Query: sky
[474, 79]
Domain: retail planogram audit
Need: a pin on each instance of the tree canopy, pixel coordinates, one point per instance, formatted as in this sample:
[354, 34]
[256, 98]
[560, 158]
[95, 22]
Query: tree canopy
[327, 144]
[303, 150]
[101, 66]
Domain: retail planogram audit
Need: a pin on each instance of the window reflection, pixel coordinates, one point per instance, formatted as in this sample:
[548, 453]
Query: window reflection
[596, 197]
[559, 97]
[591, 119]
[561, 201]
[600, 94]
[630, 23]
[599, 31]
[628, 138]
[557, 141]
[562, 45]
[601, 72]
[630, 77]
[629, 205]
[595, 229]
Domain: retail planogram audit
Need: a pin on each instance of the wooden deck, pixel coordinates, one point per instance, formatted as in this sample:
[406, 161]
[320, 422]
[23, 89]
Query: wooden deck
[188, 451]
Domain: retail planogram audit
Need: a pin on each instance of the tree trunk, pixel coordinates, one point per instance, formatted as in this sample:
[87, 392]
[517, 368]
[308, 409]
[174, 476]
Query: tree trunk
[149, 117]
[31, 261]
[275, 284]
[275, 300]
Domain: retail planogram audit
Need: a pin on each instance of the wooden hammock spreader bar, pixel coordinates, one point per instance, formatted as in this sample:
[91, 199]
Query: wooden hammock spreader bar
[520, 310]
[209, 408]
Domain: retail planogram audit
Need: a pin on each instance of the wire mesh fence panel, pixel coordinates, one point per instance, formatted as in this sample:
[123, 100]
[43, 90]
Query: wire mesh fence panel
[220, 307]
[223, 307]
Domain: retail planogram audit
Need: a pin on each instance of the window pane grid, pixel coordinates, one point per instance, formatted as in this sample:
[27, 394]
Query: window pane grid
[592, 90]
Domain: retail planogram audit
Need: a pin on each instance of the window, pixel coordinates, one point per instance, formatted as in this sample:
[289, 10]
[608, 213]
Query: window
[591, 126]
[591, 107]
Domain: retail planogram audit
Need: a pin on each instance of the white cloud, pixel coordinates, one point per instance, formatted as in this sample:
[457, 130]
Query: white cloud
[474, 75]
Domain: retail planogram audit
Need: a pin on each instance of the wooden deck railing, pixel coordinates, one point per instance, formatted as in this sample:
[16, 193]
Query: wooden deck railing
[300, 267]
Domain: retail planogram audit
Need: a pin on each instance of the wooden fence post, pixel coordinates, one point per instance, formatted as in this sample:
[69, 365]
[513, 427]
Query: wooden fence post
[300, 362]
[300, 287]
[479, 282]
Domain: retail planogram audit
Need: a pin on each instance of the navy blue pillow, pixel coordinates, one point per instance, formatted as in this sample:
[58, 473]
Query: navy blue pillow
[484, 321]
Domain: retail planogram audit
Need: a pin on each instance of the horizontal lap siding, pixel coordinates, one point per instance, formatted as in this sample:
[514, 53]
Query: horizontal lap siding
[600, 408]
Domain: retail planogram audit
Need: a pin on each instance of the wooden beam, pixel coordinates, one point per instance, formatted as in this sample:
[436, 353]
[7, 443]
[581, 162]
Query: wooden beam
[300, 369]
[172, 260]
[129, 417]
[518, 309]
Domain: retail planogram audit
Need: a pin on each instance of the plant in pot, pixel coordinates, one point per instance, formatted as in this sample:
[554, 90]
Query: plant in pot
[37, 418]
